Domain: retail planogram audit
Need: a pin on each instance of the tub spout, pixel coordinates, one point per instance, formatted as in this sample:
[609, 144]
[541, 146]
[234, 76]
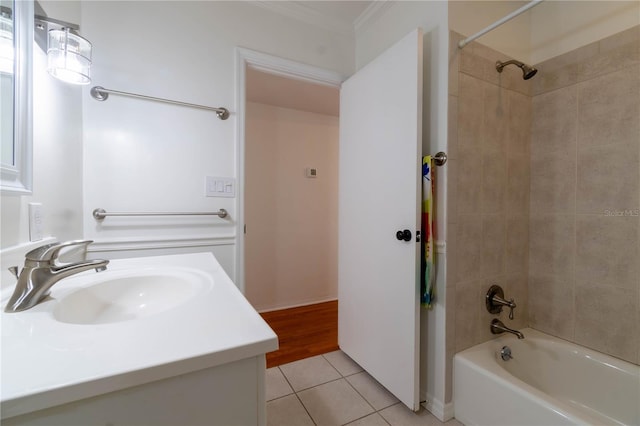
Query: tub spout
[497, 327]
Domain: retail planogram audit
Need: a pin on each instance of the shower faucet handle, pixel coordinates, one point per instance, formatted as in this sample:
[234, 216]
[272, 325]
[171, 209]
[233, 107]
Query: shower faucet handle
[495, 301]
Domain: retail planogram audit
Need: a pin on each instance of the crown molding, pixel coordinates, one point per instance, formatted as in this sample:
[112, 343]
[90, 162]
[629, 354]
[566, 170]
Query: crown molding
[371, 14]
[305, 14]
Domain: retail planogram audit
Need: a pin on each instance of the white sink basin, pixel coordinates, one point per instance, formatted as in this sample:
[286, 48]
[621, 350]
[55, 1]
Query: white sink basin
[115, 297]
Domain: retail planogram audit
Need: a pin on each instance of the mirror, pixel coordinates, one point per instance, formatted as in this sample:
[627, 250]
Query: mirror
[16, 38]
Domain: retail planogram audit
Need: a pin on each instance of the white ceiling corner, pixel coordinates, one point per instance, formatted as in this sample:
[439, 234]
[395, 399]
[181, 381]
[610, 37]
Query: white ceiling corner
[375, 9]
[344, 17]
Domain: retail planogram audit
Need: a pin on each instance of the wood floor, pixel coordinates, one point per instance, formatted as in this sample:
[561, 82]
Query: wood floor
[303, 332]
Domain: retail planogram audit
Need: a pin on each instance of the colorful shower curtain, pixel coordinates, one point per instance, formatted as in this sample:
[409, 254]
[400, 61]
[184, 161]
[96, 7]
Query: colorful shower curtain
[426, 287]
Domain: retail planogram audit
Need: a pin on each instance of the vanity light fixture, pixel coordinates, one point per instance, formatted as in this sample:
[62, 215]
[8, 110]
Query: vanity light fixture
[68, 54]
[6, 41]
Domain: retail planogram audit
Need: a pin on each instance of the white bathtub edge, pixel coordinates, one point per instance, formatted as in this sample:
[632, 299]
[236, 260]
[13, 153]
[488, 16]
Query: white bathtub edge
[486, 395]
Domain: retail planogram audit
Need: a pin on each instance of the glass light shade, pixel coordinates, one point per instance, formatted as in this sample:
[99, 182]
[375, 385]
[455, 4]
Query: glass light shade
[6, 45]
[69, 57]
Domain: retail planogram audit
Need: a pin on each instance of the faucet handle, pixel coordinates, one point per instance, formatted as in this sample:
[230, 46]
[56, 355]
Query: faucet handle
[495, 300]
[14, 271]
[511, 305]
[50, 252]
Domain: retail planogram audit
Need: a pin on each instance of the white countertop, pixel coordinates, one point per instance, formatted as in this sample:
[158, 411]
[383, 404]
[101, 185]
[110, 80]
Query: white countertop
[46, 362]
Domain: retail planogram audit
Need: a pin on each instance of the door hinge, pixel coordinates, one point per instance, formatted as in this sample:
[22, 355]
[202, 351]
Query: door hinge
[417, 236]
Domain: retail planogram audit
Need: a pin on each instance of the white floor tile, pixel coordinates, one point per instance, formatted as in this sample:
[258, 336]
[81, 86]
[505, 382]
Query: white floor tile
[373, 392]
[334, 403]
[309, 372]
[287, 411]
[371, 420]
[400, 415]
[341, 361]
[277, 385]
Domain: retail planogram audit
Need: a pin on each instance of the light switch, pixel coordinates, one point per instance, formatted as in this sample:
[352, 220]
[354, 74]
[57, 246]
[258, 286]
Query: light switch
[36, 225]
[220, 187]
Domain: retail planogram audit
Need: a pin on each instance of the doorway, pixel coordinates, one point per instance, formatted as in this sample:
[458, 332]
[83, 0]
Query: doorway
[290, 209]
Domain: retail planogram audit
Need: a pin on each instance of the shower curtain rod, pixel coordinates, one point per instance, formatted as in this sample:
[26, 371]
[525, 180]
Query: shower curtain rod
[496, 24]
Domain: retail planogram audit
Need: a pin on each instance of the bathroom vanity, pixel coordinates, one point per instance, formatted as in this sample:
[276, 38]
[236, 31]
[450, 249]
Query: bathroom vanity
[163, 340]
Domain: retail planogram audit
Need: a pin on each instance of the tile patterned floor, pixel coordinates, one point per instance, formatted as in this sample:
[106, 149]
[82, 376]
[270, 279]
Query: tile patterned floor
[332, 390]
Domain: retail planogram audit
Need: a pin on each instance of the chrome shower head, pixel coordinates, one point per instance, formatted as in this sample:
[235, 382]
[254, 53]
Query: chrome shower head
[527, 70]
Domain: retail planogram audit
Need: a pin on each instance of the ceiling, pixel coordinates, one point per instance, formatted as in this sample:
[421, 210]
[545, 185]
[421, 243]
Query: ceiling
[285, 92]
[341, 16]
[347, 11]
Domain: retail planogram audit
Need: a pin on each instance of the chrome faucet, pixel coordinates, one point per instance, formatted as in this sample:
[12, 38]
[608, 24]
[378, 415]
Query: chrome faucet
[495, 301]
[42, 270]
[497, 327]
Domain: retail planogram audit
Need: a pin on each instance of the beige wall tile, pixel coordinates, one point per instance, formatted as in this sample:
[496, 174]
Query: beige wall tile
[494, 182]
[493, 244]
[473, 65]
[597, 328]
[562, 70]
[517, 246]
[554, 125]
[496, 124]
[470, 114]
[517, 288]
[468, 248]
[518, 186]
[467, 314]
[469, 186]
[551, 304]
[608, 178]
[584, 269]
[553, 181]
[607, 251]
[610, 60]
[552, 245]
[609, 108]
[519, 122]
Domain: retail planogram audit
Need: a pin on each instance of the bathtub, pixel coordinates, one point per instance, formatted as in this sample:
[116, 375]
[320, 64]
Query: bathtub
[548, 381]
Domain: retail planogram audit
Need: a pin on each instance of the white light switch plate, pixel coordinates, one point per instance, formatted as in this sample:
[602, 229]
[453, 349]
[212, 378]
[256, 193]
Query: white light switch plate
[217, 186]
[36, 226]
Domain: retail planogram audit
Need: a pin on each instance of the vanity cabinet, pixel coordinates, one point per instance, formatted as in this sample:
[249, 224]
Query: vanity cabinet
[229, 394]
[183, 348]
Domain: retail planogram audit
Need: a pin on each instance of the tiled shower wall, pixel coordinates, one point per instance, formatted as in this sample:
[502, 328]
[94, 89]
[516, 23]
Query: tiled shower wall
[544, 195]
[488, 178]
[584, 264]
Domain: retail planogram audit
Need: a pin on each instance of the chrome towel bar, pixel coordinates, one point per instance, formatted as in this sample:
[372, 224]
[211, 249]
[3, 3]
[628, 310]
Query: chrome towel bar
[100, 214]
[101, 94]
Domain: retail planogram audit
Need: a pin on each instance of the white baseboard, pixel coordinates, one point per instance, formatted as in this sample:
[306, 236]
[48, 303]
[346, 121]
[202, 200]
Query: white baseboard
[442, 411]
[297, 305]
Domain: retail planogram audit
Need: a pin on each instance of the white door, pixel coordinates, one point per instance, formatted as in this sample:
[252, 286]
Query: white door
[380, 172]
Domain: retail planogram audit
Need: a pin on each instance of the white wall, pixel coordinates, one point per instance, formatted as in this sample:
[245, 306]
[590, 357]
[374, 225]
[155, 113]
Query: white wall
[57, 161]
[291, 241]
[145, 156]
[561, 26]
